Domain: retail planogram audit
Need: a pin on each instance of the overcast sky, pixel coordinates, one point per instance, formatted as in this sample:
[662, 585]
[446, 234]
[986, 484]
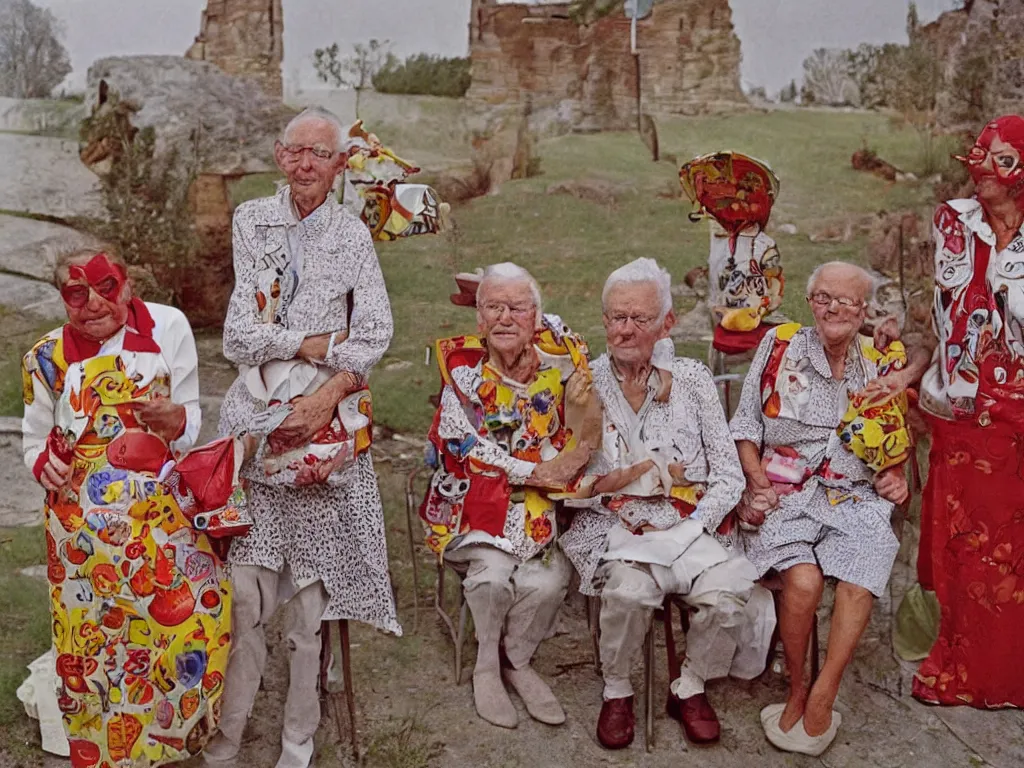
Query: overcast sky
[776, 35]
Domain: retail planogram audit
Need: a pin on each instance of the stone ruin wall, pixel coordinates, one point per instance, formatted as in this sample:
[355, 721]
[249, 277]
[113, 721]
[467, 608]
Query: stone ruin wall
[689, 54]
[993, 29]
[244, 38]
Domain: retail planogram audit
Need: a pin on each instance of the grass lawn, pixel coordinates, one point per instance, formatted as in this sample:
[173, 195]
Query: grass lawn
[571, 245]
[24, 634]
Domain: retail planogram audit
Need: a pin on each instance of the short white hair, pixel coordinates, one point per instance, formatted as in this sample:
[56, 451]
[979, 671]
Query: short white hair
[862, 275]
[642, 270]
[507, 272]
[322, 115]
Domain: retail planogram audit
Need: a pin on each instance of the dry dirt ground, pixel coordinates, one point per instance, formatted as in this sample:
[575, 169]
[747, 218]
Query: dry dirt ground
[410, 712]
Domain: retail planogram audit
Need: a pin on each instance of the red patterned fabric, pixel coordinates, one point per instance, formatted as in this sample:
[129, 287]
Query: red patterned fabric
[738, 342]
[972, 555]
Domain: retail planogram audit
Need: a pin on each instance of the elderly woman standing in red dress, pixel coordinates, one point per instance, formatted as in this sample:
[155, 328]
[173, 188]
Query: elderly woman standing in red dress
[972, 528]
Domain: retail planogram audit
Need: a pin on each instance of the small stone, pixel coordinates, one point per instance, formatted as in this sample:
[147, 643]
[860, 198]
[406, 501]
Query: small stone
[789, 229]
[34, 572]
[398, 365]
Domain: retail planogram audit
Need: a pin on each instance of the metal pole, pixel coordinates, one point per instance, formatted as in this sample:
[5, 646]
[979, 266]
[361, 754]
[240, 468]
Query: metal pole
[636, 65]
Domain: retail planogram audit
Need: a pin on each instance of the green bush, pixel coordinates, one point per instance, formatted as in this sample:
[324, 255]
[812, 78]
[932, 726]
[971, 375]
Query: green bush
[425, 75]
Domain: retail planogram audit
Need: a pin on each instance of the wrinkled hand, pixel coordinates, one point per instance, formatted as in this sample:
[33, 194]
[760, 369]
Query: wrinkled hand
[161, 417]
[886, 387]
[314, 348]
[886, 332]
[620, 478]
[55, 474]
[309, 415]
[891, 485]
[678, 471]
[577, 387]
[561, 470]
[318, 474]
[755, 504]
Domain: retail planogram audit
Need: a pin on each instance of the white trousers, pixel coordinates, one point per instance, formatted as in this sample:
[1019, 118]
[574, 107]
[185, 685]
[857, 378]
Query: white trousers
[258, 593]
[514, 604]
[730, 630]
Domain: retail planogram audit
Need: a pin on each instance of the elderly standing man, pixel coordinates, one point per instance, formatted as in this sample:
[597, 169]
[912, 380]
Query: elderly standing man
[308, 287]
[812, 508]
[663, 483]
[505, 434]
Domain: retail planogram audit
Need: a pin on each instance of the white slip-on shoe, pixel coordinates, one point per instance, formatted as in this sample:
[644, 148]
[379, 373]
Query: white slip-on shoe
[772, 710]
[797, 739]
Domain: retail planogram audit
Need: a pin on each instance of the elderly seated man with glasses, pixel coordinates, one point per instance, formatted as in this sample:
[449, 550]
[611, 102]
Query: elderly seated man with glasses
[814, 506]
[660, 491]
[515, 422]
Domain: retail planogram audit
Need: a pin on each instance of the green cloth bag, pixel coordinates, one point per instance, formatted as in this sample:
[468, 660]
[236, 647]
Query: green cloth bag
[916, 627]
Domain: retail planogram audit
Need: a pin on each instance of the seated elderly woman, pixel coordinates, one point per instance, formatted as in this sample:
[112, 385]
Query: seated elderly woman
[139, 593]
[660, 489]
[811, 507]
[505, 434]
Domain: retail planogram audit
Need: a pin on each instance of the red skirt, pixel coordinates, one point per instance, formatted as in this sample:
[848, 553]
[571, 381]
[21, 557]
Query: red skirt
[972, 556]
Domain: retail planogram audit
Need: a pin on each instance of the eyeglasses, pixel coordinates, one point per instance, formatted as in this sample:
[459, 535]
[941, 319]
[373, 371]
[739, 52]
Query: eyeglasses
[494, 310]
[823, 299]
[293, 153]
[77, 295]
[1005, 161]
[642, 322]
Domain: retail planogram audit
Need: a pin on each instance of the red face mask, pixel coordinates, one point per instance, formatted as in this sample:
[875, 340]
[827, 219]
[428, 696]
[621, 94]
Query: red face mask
[100, 275]
[1007, 167]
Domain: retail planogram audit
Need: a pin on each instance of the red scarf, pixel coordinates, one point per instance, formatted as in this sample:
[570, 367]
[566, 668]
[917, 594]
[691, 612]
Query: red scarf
[138, 336]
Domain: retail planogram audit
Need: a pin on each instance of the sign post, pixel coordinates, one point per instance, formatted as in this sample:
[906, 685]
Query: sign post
[636, 10]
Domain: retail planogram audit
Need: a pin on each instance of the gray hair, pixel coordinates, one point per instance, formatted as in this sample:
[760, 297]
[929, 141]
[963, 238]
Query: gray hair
[323, 115]
[62, 251]
[507, 272]
[642, 270]
[863, 276]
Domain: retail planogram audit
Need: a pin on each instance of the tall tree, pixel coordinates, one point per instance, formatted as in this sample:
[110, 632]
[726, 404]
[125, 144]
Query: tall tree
[357, 70]
[33, 61]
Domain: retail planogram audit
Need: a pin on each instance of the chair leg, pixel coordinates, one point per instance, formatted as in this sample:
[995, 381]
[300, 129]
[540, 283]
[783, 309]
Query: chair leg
[649, 690]
[594, 625]
[460, 637]
[410, 503]
[325, 656]
[670, 640]
[815, 655]
[350, 695]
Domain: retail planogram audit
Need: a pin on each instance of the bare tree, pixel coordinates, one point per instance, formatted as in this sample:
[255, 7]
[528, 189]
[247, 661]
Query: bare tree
[33, 61]
[827, 79]
[355, 71]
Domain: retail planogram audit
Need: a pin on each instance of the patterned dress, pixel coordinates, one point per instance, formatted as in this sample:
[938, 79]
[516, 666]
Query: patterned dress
[690, 429]
[829, 513]
[140, 602]
[972, 511]
[489, 434]
[295, 279]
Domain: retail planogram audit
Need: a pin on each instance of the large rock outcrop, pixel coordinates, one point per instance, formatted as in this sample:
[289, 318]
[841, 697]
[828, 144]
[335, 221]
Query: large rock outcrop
[243, 38]
[983, 48]
[203, 128]
[537, 52]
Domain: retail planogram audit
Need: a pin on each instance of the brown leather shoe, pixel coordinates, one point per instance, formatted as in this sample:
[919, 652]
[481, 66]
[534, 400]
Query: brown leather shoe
[615, 725]
[700, 723]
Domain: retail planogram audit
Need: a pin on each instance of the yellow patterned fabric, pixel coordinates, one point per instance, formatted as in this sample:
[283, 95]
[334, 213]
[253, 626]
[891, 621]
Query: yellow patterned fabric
[875, 429]
[376, 191]
[140, 602]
